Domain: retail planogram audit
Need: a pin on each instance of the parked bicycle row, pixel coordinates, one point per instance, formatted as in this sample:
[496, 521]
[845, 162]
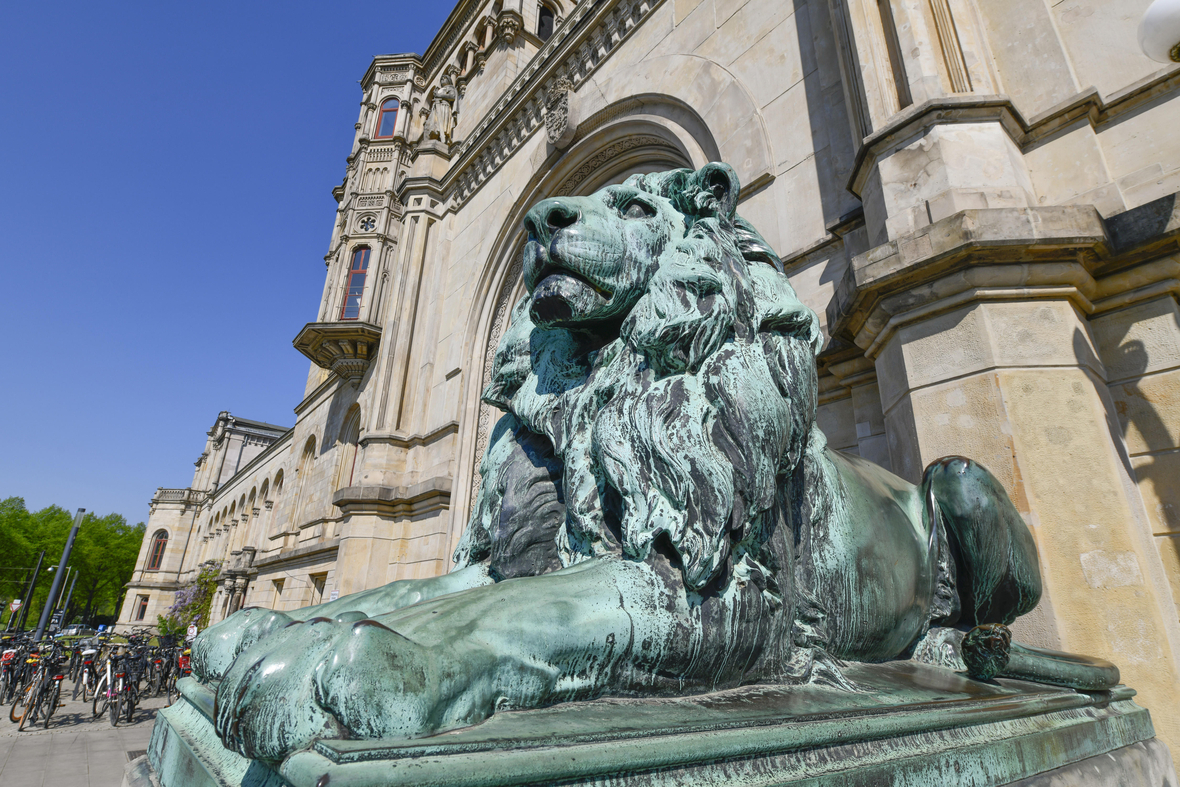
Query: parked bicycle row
[112, 673]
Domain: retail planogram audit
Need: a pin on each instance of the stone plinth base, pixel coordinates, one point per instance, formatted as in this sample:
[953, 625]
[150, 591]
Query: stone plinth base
[916, 725]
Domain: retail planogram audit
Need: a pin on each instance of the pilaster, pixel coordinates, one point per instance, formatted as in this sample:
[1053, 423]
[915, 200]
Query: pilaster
[985, 331]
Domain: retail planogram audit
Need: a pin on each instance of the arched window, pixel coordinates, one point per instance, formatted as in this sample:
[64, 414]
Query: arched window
[156, 553]
[306, 464]
[356, 284]
[546, 21]
[350, 432]
[387, 120]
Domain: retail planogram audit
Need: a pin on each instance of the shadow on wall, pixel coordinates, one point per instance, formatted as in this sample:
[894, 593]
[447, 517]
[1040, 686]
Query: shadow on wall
[1134, 407]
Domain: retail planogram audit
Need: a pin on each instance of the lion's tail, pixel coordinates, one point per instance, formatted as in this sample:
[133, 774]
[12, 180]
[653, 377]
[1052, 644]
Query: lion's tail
[988, 651]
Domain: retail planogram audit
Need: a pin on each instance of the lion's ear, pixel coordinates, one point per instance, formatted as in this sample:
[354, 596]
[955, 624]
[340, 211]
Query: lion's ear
[714, 191]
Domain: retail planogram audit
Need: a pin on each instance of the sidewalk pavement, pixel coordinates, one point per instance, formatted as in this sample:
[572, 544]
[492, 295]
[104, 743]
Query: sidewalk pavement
[77, 750]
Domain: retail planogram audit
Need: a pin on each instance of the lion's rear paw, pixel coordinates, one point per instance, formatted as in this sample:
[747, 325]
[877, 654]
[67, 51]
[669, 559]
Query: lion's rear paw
[986, 650]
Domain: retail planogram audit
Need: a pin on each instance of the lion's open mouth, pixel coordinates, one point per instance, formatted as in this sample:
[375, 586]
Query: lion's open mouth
[549, 271]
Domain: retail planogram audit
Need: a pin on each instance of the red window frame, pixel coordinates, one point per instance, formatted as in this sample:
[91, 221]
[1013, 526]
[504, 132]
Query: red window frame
[141, 612]
[159, 543]
[355, 287]
[386, 109]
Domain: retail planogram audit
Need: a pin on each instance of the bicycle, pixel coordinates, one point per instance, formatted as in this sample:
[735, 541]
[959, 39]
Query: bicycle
[43, 695]
[27, 667]
[86, 681]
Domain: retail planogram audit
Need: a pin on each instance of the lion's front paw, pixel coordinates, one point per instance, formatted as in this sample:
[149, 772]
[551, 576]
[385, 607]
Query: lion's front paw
[325, 679]
[215, 649]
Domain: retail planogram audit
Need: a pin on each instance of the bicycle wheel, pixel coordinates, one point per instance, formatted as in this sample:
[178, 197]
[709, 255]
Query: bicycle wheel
[113, 708]
[128, 705]
[170, 687]
[33, 704]
[52, 693]
[154, 683]
[87, 681]
[17, 711]
[100, 697]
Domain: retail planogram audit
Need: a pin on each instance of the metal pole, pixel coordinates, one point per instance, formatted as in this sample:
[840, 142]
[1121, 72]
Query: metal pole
[58, 577]
[66, 606]
[24, 610]
[15, 612]
[69, 570]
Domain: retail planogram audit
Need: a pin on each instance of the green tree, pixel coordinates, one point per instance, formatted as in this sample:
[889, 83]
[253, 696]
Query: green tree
[103, 557]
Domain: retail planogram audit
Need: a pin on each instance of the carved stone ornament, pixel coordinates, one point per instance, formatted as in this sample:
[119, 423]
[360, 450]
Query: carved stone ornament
[508, 26]
[345, 348]
[674, 523]
[561, 116]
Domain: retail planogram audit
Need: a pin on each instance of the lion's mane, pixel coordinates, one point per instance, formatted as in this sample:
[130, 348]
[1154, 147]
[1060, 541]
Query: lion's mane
[682, 425]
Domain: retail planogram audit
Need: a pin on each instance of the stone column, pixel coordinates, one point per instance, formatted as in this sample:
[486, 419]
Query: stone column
[978, 326]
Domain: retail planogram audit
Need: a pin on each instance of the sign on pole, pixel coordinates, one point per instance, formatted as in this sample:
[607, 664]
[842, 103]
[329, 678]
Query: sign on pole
[192, 632]
[15, 605]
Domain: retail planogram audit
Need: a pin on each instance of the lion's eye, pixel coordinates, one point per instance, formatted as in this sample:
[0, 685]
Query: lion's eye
[637, 210]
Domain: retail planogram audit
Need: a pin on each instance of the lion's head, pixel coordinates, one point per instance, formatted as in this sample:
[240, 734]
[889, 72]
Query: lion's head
[664, 354]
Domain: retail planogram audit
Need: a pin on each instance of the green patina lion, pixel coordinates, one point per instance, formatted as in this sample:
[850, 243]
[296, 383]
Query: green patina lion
[659, 513]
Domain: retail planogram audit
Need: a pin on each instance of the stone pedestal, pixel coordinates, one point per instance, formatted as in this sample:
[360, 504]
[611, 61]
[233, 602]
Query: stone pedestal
[916, 725]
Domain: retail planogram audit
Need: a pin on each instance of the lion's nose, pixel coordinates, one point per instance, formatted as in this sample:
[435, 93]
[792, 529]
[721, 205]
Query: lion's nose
[548, 216]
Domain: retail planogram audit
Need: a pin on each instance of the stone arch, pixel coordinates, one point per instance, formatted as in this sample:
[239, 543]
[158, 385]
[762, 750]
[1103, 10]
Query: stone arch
[719, 99]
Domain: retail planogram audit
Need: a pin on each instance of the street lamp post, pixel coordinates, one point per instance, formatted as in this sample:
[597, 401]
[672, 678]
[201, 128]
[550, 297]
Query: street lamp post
[58, 577]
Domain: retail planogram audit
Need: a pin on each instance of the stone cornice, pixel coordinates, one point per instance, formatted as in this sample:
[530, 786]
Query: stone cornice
[1088, 105]
[401, 440]
[1058, 252]
[302, 553]
[433, 494]
[408, 60]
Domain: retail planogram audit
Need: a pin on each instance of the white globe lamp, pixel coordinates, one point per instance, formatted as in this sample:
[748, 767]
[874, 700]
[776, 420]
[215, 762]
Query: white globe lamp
[1159, 31]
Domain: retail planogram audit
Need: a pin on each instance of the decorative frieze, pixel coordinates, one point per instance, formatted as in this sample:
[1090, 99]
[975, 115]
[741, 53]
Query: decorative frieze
[522, 107]
[608, 153]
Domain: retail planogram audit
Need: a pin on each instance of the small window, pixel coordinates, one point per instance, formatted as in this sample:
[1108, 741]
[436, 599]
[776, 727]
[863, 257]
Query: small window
[387, 119]
[156, 554]
[545, 22]
[317, 587]
[141, 609]
[356, 284]
[278, 583]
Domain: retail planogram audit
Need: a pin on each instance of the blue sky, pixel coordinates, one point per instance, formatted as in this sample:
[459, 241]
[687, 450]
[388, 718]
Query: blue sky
[165, 205]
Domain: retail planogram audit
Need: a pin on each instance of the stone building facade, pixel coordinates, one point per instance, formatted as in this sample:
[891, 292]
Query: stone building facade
[978, 197]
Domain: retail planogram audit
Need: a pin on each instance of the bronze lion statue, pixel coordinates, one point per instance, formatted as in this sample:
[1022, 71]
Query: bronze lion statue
[659, 513]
